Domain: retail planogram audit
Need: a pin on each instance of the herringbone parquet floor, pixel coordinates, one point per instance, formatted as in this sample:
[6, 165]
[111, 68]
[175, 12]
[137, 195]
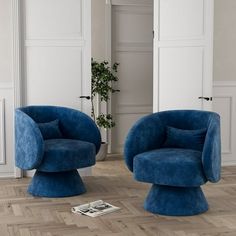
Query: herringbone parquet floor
[24, 215]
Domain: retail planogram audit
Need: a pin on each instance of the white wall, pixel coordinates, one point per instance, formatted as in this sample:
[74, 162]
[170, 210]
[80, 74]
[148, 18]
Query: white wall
[5, 41]
[225, 40]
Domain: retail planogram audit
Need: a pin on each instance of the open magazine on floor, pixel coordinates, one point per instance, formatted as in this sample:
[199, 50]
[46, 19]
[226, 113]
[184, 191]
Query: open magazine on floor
[93, 209]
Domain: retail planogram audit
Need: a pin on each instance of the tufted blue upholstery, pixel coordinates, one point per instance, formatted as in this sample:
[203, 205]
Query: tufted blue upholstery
[52, 158]
[175, 170]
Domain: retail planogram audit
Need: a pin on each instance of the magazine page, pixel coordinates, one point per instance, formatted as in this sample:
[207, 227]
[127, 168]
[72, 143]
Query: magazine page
[94, 209]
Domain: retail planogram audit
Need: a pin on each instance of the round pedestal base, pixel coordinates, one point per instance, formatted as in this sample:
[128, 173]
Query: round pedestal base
[57, 184]
[175, 201]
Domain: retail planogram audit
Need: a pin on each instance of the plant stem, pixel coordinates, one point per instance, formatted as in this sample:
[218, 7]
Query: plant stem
[93, 110]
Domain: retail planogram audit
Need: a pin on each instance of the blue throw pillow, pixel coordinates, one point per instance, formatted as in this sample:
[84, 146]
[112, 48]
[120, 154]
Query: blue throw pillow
[188, 139]
[50, 130]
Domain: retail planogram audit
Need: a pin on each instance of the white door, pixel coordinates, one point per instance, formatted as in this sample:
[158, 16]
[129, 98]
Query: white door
[57, 52]
[132, 47]
[183, 52]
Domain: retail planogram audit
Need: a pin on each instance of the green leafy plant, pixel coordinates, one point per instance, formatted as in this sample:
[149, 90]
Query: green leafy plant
[103, 79]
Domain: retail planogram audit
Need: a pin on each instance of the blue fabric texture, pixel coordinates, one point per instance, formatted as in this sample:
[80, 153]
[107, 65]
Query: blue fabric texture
[180, 149]
[170, 166]
[67, 154]
[29, 143]
[175, 201]
[50, 130]
[68, 140]
[56, 184]
[211, 155]
[73, 123]
[147, 134]
[188, 139]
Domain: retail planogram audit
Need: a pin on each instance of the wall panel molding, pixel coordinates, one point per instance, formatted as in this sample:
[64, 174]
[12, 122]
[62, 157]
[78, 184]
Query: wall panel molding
[54, 43]
[2, 132]
[224, 103]
[222, 83]
[130, 2]
[133, 47]
[8, 85]
[133, 109]
[135, 10]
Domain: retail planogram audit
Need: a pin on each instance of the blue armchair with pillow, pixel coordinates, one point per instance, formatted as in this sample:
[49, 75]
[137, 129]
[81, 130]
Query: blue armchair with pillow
[56, 141]
[176, 151]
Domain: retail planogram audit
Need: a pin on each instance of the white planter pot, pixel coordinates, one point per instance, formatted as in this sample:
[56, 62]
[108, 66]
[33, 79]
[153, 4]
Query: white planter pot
[102, 154]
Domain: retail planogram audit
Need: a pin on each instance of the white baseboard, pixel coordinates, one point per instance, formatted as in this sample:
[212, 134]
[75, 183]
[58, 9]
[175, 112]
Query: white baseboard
[229, 163]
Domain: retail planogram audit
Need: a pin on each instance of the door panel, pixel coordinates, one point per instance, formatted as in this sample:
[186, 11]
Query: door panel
[53, 19]
[183, 52]
[60, 86]
[128, 20]
[185, 63]
[181, 19]
[135, 73]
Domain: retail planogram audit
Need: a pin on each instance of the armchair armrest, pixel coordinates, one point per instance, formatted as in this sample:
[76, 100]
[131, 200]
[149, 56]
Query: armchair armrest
[147, 134]
[29, 145]
[77, 125]
[211, 156]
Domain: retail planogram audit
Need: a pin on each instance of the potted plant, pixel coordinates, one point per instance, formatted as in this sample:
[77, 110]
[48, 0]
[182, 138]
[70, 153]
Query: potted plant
[103, 80]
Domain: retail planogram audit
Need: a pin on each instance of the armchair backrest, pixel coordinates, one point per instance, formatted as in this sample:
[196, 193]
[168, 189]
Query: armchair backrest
[186, 119]
[142, 137]
[74, 124]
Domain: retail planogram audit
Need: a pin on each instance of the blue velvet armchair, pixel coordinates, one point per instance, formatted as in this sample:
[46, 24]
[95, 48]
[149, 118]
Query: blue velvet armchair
[56, 141]
[177, 152]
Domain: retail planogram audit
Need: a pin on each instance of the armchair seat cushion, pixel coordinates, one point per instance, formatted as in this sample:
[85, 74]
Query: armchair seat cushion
[67, 154]
[170, 166]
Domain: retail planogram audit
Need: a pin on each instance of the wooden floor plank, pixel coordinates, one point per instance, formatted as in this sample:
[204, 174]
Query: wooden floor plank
[23, 215]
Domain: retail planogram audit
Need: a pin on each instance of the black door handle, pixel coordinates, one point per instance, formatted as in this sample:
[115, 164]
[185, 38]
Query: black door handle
[206, 98]
[87, 97]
